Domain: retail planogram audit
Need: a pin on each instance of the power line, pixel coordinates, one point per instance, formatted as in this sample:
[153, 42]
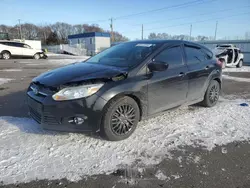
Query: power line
[188, 23]
[153, 10]
[183, 17]
[159, 9]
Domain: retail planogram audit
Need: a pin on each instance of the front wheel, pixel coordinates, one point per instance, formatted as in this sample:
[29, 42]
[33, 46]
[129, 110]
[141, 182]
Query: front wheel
[120, 119]
[37, 56]
[212, 94]
[6, 55]
[240, 64]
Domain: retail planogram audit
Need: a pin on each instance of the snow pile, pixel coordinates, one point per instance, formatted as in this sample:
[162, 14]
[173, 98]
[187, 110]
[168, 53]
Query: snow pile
[27, 152]
[237, 79]
[11, 70]
[234, 69]
[160, 176]
[4, 80]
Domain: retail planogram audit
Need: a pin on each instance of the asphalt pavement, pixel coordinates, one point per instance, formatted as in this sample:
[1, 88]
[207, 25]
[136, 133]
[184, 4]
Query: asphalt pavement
[223, 167]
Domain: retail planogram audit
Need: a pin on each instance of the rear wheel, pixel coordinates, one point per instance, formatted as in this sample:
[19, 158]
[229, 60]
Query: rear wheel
[37, 56]
[6, 55]
[212, 94]
[240, 64]
[120, 119]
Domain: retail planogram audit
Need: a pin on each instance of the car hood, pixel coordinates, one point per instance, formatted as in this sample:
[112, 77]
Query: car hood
[78, 72]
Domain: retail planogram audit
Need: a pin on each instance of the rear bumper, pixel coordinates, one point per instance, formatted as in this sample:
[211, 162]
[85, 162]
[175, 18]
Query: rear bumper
[54, 115]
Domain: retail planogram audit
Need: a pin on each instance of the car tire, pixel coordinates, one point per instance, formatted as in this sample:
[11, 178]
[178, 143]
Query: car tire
[240, 64]
[212, 94]
[37, 56]
[120, 119]
[6, 55]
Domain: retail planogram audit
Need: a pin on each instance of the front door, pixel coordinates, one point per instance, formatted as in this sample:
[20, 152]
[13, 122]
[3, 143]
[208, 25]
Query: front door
[168, 89]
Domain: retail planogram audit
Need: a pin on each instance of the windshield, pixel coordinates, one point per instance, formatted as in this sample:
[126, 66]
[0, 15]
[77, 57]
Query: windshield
[125, 55]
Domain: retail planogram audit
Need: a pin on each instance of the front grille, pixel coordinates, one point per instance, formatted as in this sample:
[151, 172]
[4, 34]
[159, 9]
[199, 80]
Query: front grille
[40, 114]
[36, 116]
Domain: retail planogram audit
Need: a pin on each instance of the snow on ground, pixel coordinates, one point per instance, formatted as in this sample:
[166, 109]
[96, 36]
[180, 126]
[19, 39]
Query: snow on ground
[27, 152]
[4, 80]
[237, 79]
[234, 69]
[65, 56]
[64, 61]
[11, 70]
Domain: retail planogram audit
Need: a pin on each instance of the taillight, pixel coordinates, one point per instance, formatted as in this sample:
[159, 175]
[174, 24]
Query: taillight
[218, 62]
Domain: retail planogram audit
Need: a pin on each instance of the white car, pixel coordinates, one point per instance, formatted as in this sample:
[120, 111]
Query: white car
[10, 49]
[229, 55]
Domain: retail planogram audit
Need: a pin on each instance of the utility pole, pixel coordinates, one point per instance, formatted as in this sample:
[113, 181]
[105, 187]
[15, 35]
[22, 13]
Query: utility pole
[190, 34]
[20, 28]
[215, 33]
[142, 32]
[111, 28]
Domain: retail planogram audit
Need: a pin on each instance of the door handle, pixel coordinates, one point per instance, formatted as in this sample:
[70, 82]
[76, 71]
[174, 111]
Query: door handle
[181, 74]
[207, 67]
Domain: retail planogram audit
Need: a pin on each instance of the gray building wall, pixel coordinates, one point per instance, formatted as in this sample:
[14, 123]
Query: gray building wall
[93, 45]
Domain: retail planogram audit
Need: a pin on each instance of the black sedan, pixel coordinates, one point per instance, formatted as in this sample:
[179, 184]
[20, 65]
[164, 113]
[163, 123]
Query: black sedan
[113, 90]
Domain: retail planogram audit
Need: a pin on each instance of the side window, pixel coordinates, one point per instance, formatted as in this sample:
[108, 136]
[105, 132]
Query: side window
[194, 54]
[172, 56]
[208, 53]
[26, 46]
[14, 44]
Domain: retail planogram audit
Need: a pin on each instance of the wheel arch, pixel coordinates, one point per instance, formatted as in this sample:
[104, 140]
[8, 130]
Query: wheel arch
[5, 51]
[218, 80]
[134, 96]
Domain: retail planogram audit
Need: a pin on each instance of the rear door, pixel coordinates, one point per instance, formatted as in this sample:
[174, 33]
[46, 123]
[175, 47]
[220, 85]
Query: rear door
[167, 89]
[199, 62]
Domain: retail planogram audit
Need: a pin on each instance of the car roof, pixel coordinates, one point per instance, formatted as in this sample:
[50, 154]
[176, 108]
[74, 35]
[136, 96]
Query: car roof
[11, 41]
[168, 42]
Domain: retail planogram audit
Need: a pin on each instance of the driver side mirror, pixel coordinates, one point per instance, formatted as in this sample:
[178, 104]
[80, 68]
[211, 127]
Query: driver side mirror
[157, 66]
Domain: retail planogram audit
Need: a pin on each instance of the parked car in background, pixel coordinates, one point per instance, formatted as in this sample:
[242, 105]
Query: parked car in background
[229, 55]
[115, 89]
[10, 49]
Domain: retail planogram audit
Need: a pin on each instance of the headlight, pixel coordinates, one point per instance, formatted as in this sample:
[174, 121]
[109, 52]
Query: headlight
[77, 92]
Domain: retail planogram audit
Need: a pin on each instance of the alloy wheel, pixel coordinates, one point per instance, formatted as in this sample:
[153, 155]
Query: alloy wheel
[214, 94]
[123, 119]
[37, 56]
[6, 56]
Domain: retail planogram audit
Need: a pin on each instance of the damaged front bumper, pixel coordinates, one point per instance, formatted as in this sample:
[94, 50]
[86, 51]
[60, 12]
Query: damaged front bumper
[72, 116]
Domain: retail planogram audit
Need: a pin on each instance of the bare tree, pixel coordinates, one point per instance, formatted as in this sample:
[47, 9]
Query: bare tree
[30, 31]
[62, 30]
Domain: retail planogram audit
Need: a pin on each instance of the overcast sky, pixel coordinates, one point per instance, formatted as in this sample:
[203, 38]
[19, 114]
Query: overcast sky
[233, 16]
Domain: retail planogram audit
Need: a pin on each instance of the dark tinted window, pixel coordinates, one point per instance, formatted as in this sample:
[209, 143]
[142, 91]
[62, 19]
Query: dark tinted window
[195, 54]
[208, 53]
[172, 56]
[127, 54]
[14, 44]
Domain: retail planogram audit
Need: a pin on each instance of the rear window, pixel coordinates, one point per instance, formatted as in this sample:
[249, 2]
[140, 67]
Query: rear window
[208, 53]
[196, 54]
